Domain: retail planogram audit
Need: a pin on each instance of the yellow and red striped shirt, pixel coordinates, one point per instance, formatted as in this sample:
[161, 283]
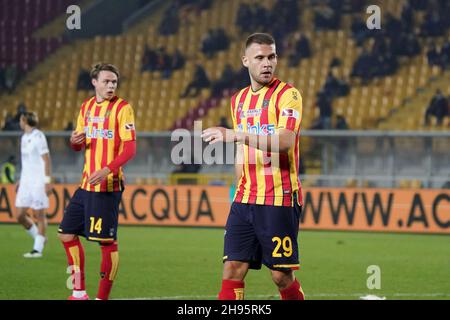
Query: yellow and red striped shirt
[268, 178]
[107, 126]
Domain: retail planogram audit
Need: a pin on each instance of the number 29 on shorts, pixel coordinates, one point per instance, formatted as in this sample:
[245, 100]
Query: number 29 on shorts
[285, 244]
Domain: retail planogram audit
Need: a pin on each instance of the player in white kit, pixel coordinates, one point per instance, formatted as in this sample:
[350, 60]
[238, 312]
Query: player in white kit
[34, 184]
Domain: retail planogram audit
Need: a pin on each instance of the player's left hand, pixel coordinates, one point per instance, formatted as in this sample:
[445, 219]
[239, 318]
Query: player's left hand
[218, 134]
[98, 176]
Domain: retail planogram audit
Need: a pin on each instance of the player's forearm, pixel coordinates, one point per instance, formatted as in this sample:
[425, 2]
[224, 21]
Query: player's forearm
[128, 153]
[237, 172]
[238, 162]
[268, 143]
[47, 165]
[77, 147]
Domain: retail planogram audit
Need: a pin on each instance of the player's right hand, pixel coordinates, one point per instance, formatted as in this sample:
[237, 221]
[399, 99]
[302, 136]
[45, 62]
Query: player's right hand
[217, 134]
[77, 138]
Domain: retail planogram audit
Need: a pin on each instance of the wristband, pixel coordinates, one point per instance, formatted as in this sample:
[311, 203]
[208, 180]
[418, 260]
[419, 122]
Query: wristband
[47, 179]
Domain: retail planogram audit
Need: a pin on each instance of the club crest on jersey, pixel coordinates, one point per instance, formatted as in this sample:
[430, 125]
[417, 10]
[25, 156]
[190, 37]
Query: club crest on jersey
[265, 103]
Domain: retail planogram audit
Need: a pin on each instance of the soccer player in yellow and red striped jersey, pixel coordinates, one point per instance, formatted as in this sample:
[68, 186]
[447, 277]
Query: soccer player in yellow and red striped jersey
[263, 223]
[105, 130]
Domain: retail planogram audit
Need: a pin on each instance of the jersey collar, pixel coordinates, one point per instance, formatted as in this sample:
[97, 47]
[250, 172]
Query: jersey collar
[104, 102]
[267, 86]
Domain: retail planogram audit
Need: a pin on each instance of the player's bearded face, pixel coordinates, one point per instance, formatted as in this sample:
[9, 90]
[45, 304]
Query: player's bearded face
[261, 61]
[105, 84]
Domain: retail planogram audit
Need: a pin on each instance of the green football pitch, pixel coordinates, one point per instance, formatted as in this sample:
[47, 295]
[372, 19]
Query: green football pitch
[185, 263]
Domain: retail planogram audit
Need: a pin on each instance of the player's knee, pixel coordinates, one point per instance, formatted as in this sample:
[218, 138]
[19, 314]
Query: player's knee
[20, 215]
[41, 217]
[283, 279]
[234, 270]
[66, 237]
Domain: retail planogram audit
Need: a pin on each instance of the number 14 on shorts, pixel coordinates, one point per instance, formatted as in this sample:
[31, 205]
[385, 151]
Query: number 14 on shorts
[97, 226]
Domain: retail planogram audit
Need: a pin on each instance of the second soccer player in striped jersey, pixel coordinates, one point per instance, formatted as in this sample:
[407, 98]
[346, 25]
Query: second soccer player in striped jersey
[263, 223]
[105, 130]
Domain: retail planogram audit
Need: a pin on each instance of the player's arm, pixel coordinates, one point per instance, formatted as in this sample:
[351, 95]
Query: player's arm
[127, 134]
[239, 157]
[281, 141]
[45, 154]
[47, 164]
[77, 140]
[48, 171]
[128, 153]
[78, 137]
[283, 137]
[238, 163]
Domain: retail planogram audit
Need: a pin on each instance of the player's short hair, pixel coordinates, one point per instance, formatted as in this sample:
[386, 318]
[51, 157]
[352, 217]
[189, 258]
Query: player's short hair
[259, 38]
[104, 67]
[31, 118]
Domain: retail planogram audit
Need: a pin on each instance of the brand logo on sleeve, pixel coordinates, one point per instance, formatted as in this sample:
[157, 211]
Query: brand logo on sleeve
[290, 113]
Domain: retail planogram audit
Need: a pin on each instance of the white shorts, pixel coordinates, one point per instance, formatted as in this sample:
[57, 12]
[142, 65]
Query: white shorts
[32, 197]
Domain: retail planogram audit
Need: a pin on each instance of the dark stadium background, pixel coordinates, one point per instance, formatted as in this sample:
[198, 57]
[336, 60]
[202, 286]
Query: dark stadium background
[375, 135]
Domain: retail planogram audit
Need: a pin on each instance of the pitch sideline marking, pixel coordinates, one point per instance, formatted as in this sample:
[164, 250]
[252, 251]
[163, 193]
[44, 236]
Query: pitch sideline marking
[188, 297]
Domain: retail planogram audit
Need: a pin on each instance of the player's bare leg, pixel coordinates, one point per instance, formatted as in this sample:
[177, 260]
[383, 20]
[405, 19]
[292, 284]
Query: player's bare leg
[235, 270]
[288, 285]
[39, 239]
[75, 258]
[42, 223]
[233, 285]
[24, 219]
[67, 237]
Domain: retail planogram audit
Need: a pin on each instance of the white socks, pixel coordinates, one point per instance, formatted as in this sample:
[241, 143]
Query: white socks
[39, 243]
[33, 231]
[39, 240]
[78, 293]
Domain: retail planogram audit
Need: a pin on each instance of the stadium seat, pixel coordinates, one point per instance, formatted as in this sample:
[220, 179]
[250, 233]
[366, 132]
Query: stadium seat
[381, 98]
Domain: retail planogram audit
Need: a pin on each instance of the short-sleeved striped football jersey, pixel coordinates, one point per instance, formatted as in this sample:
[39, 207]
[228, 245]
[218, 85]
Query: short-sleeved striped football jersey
[268, 178]
[107, 126]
